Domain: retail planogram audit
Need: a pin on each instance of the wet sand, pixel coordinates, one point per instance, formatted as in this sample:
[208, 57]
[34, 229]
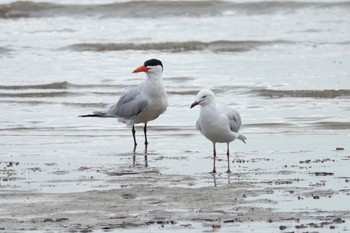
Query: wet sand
[275, 189]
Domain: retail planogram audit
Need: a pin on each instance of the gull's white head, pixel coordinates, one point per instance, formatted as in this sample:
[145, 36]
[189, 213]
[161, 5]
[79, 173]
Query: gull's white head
[203, 98]
[152, 67]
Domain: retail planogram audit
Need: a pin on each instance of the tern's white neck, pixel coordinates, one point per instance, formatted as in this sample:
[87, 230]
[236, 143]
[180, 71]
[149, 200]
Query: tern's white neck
[154, 74]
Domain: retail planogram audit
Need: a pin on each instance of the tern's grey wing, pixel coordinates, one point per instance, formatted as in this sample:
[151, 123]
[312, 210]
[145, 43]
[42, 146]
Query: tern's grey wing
[234, 119]
[129, 105]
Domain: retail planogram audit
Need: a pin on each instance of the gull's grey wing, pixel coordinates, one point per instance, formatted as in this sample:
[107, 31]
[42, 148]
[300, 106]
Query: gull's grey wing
[129, 105]
[234, 119]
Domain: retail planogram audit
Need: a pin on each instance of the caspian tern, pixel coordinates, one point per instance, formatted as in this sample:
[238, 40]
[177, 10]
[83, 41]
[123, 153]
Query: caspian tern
[141, 104]
[217, 123]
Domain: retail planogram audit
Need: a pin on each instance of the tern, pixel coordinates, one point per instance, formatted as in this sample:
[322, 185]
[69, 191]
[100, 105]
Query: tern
[141, 104]
[217, 123]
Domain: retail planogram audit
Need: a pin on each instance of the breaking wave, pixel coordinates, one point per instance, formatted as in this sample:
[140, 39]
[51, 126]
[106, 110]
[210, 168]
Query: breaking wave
[327, 94]
[161, 8]
[332, 125]
[67, 89]
[39, 94]
[59, 86]
[56, 85]
[215, 46]
[3, 50]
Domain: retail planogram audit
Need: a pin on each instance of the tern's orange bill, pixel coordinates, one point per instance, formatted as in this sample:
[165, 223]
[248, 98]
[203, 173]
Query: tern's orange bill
[141, 69]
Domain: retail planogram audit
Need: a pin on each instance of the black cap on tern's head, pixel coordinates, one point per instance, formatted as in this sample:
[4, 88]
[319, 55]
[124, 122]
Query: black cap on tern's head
[149, 65]
[153, 62]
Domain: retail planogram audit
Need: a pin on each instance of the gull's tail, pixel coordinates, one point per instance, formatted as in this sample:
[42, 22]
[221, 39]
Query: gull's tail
[242, 137]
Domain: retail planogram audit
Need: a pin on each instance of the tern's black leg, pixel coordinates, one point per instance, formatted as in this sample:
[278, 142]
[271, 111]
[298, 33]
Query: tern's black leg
[133, 135]
[145, 132]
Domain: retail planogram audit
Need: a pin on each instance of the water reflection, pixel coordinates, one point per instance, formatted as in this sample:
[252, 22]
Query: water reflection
[216, 177]
[134, 154]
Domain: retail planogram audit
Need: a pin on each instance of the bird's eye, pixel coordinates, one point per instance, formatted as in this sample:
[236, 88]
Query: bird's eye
[204, 96]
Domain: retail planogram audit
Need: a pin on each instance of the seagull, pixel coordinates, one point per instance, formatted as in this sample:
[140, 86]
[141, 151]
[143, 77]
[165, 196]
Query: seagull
[217, 123]
[141, 104]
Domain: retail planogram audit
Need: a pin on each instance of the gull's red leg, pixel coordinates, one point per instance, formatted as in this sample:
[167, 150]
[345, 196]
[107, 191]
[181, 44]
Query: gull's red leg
[214, 154]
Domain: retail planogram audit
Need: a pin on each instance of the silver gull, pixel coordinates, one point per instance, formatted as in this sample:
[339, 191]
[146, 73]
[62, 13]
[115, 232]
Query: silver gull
[217, 123]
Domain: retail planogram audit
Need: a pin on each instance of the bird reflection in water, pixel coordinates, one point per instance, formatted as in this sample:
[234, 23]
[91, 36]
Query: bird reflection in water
[134, 154]
[217, 176]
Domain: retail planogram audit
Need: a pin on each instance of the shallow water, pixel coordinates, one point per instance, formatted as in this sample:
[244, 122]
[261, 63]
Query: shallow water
[283, 65]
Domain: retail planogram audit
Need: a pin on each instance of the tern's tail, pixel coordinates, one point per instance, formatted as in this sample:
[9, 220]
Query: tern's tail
[95, 114]
[242, 137]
